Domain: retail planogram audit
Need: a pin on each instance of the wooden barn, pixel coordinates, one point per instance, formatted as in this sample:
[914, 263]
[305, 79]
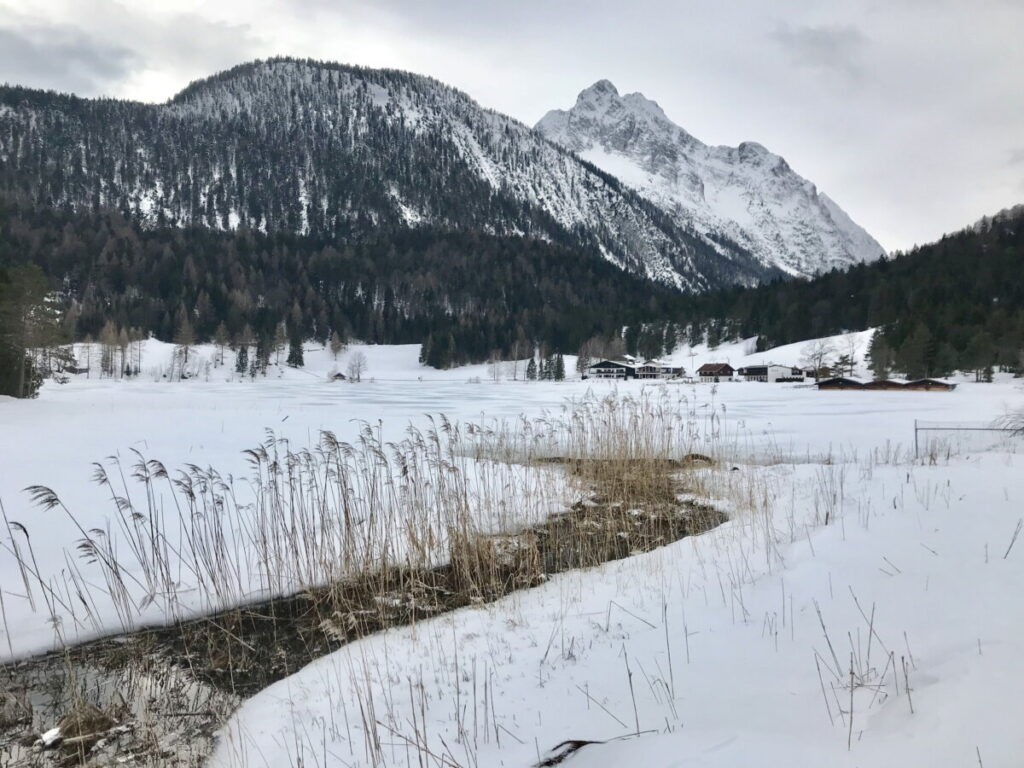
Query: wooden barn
[930, 385]
[924, 385]
[885, 384]
[842, 382]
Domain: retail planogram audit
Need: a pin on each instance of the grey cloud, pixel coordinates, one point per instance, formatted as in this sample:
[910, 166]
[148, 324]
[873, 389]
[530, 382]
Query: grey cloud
[109, 48]
[62, 58]
[837, 49]
[1016, 156]
[188, 41]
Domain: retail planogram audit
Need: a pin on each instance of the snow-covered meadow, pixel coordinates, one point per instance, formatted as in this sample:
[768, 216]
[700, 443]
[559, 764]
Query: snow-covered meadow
[732, 648]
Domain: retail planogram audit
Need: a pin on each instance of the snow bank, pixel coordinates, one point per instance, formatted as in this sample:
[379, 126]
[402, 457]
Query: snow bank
[711, 648]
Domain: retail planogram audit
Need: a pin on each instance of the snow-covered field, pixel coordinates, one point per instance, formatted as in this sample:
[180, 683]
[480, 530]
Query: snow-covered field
[710, 647]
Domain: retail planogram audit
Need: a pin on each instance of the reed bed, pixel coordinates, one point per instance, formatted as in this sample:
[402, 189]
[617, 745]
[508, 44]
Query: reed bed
[245, 580]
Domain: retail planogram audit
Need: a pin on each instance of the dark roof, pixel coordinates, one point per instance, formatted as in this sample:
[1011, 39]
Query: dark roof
[841, 382]
[714, 368]
[929, 384]
[886, 384]
[611, 364]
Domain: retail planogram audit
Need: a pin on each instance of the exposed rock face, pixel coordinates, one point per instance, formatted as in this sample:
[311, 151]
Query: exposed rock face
[745, 194]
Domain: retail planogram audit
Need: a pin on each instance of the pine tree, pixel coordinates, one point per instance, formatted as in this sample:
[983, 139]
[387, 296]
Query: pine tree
[844, 365]
[980, 353]
[913, 353]
[880, 356]
[559, 373]
[264, 347]
[28, 327]
[242, 359]
[295, 351]
[531, 370]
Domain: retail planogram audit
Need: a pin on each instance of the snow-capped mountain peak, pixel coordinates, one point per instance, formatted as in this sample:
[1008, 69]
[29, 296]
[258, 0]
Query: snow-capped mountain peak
[746, 194]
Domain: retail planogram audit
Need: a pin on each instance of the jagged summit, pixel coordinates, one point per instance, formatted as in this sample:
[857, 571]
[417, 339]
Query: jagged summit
[597, 89]
[746, 194]
[602, 104]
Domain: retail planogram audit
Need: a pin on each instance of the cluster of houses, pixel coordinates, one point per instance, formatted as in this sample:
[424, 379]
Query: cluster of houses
[710, 373]
[713, 373]
[770, 372]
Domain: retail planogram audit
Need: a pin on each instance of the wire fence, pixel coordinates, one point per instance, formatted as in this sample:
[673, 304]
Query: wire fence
[946, 438]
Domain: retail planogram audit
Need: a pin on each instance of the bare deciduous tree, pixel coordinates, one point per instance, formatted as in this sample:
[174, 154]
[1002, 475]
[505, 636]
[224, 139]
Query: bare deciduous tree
[816, 354]
[356, 366]
[494, 365]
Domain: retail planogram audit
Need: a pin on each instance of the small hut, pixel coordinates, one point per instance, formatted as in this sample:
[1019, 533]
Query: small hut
[841, 382]
[930, 385]
[885, 384]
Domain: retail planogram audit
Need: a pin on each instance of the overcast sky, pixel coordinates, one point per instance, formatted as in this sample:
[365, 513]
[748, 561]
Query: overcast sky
[909, 113]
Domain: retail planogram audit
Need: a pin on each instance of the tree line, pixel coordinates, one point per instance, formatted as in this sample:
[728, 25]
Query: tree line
[466, 297]
[956, 304]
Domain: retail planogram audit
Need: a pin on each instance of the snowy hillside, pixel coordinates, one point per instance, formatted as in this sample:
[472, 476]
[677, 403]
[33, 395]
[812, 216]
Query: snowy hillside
[745, 194]
[338, 151]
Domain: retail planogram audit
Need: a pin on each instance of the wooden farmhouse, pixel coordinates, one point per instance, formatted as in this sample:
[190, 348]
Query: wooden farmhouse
[715, 372]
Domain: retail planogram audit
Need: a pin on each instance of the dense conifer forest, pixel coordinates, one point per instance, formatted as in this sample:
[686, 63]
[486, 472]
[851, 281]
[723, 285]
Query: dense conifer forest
[467, 296]
[956, 304]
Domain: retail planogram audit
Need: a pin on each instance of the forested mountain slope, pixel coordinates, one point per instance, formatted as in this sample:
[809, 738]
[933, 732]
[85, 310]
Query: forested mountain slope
[306, 147]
